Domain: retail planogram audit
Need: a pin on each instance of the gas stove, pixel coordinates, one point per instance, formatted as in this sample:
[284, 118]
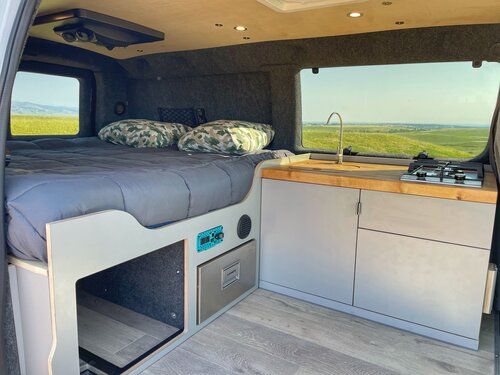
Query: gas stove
[445, 172]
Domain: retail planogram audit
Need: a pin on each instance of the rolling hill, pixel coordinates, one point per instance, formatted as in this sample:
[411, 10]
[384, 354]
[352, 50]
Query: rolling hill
[34, 109]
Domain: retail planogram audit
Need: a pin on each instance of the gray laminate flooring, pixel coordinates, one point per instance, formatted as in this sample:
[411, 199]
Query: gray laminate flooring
[268, 333]
[115, 333]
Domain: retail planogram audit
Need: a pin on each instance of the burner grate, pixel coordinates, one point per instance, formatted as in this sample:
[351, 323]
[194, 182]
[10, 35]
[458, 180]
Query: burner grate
[445, 172]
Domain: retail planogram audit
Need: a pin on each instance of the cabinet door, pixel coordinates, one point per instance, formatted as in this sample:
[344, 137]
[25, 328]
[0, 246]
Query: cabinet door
[308, 238]
[435, 284]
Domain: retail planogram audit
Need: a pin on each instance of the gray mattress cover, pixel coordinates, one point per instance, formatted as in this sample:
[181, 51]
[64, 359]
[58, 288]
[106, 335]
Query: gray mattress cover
[54, 179]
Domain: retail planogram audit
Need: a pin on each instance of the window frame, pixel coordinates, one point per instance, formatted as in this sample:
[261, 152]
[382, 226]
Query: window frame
[482, 157]
[87, 96]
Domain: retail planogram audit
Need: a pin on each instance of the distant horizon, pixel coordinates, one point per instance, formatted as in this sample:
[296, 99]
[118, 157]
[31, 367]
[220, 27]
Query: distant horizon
[26, 108]
[306, 123]
[44, 104]
[313, 123]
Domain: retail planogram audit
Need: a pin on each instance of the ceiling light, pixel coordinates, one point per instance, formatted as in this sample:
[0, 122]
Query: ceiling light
[219, 25]
[354, 14]
[240, 28]
[386, 2]
[246, 37]
[399, 22]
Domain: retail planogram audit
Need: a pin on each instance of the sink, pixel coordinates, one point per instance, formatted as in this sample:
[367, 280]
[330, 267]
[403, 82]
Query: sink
[327, 167]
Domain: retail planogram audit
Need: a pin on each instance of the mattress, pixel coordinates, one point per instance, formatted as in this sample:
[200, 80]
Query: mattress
[54, 179]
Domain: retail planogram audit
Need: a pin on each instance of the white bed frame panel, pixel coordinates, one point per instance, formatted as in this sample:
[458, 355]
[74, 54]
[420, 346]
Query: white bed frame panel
[81, 246]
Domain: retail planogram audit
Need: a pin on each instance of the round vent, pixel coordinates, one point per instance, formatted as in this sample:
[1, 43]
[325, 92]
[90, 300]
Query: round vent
[244, 226]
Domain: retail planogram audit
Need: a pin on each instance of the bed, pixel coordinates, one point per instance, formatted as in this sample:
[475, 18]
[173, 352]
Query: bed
[53, 179]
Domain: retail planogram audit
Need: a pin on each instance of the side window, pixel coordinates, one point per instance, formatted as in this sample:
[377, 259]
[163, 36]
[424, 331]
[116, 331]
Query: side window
[400, 110]
[45, 105]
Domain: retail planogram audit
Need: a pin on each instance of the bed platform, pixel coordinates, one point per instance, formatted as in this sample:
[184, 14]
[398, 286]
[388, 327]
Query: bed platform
[54, 179]
[88, 276]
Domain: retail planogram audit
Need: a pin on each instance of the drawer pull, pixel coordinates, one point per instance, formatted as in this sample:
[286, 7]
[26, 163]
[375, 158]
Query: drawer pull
[230, 275]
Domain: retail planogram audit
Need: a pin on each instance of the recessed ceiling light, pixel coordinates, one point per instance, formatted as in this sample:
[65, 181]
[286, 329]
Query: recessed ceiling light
[246, 37]
[354, 14]
[386, 2]
[399, 22]
[219, 25]
[240, 28]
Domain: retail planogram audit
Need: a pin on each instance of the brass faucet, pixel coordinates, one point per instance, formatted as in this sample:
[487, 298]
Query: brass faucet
[340, 150]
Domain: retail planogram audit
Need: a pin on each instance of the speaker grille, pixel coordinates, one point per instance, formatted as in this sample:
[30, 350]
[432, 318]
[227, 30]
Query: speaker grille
[244, 226]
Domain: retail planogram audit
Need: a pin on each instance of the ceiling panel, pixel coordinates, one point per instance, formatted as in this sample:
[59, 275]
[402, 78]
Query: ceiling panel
[190, 24]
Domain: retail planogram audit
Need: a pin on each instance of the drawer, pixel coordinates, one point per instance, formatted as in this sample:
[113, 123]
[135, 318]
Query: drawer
[446, 220]
[225, 278]
[435, 284]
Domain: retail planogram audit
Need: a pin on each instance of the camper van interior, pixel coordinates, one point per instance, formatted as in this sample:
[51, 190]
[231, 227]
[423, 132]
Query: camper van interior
[249, 187]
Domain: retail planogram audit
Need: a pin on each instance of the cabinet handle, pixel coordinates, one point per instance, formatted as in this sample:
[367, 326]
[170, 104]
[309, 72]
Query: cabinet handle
[230, 275]
[358, 209]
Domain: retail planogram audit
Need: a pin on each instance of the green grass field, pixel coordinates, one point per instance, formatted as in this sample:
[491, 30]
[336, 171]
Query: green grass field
[407, 140]
[43, 125]
[441, 142]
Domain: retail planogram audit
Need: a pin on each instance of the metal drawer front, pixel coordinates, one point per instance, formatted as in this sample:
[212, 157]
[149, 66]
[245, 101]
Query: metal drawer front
[223, 279]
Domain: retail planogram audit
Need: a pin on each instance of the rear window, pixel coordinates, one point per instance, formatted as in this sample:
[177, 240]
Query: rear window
[45, 105]
[444, 109]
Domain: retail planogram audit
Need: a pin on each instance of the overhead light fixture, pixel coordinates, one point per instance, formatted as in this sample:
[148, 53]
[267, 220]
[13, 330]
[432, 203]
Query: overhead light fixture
[354, 14]
[85, 26]
[240, 28]
[246, 37]
[399, 22]
[386, 3]
[219, 25]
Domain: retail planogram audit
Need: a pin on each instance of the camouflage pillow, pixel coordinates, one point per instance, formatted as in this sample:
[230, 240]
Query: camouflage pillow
[227, 137]
[143, 133]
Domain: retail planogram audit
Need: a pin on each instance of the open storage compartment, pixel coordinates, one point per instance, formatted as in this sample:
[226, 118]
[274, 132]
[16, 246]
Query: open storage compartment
[127, 312]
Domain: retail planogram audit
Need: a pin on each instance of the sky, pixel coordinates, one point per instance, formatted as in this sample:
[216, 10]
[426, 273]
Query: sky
[434, 93]
[46, 89]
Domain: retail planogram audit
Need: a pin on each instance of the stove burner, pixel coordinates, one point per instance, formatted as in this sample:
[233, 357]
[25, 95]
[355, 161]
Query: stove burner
[421, 173]
[445, 172]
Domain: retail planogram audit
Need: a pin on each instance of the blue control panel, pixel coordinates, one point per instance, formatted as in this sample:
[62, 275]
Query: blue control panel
[209, 238]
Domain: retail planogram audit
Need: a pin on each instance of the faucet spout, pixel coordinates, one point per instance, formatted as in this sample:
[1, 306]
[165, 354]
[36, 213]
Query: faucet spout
[340, 150]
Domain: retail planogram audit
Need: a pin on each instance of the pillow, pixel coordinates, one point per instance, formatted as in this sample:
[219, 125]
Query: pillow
[143, 133]
[227, 137]
[187, 116]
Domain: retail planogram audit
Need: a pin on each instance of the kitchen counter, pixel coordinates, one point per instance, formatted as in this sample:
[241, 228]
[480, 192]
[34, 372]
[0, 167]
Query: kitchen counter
[378, 177]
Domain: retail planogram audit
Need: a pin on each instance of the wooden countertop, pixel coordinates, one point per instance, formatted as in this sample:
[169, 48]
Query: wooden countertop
[380, 177]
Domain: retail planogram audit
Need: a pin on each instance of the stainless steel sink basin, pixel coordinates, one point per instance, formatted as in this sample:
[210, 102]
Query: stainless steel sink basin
[327, 167]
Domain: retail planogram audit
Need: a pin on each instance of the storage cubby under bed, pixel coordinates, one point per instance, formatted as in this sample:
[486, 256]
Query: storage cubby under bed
[128, 311]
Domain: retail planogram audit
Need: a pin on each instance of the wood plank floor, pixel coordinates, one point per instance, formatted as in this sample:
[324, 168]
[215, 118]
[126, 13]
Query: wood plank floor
[115, 333]
[268, 333]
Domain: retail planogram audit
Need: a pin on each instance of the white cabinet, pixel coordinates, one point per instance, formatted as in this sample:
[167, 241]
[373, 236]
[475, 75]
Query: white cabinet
[308, 240]
[434, 284]
[417, 263]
